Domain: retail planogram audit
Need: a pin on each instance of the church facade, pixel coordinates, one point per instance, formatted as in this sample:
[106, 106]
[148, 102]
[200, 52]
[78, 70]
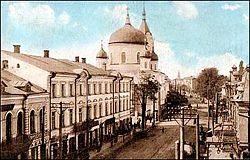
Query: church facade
[131, 52]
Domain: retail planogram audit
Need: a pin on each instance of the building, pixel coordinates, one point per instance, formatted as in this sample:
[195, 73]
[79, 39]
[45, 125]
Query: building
[72, 85]
[131, 52]
[22, 104]
[185, 85]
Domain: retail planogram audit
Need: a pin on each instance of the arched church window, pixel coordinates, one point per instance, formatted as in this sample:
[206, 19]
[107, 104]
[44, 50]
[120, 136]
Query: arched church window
[123, 57]
[151, 66]
[145, 64]
[155, 67]
[138, 57]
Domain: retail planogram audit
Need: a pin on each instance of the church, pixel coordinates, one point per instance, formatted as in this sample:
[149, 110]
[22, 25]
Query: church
[131, 53]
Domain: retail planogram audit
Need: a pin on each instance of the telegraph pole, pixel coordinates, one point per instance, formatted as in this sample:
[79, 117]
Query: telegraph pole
[197, 137]
[60, 133]
[43, 147]
[208, 116]
[182, 134]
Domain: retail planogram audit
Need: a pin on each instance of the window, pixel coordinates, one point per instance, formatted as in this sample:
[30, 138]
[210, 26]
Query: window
[53, 90]
[116, 109]
[63, 90]
[100, 110]
[123, 57]
[106, 88]
[5, 64]
[17, 65]
[124, 88]
[100, 88]
[53, 120]
[94, 88]
[138, 57]
[80, 89]
[89, 88]
[41, 119]
[20, 123]
[106, 109]
[151, 66]
[111, 108]
[145, 64]
[80, 115]
[95, 111]
[8, 128]
[128, 104]
[32, 121]
[111, 88]
[71, 116]
[124, 106]
[71, 90]
[155, 67]
[63, 124]
[127, 87]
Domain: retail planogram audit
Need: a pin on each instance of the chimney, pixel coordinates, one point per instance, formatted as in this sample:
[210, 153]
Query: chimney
[83, 60]
[46, 53]
[17, 48]
[76, 58]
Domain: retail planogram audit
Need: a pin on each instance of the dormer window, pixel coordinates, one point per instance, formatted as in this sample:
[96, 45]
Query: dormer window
[5, 64]
[23, 85]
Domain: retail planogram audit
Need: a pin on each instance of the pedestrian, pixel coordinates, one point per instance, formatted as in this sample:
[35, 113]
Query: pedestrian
[162, 129]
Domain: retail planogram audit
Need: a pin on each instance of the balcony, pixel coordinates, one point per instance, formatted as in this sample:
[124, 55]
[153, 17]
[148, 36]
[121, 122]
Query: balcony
[16, 146]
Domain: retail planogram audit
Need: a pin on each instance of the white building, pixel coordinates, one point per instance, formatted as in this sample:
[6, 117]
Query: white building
[131, 52]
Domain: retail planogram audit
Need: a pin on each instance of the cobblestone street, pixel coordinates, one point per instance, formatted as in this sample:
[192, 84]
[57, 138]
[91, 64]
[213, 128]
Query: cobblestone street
[158, 145]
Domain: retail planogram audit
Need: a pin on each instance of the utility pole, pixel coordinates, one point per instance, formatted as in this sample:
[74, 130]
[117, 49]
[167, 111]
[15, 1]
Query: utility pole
[182, 134]
[197, 137]
[60, 133]
[43, 146]
[60, 124]
[208, 108]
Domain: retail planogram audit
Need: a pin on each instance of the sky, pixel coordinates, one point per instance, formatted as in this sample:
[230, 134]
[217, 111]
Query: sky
[189, 36]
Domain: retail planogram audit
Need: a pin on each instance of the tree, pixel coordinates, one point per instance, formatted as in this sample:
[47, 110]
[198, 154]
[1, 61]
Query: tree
[209, 82]
[146, 88]
[174, 101]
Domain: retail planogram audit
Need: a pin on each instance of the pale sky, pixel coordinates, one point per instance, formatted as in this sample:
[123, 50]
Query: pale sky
[189, 36]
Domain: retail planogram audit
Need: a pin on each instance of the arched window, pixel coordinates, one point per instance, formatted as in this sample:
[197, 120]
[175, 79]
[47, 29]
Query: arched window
[8, 128]
[123, 57]
[111, 108]
[20, 123]
[32, 121]
[138, 57]
[155, 67]
[146, 64]
[94, 111]
[100, 110]
[106, 109]
[151, 66]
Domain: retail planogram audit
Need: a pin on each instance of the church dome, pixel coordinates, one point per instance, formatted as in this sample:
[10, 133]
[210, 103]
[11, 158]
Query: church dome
[154, 57]
[101, 54]
[127, 34]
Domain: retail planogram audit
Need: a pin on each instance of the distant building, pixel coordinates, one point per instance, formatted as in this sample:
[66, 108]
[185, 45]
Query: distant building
[185, 85]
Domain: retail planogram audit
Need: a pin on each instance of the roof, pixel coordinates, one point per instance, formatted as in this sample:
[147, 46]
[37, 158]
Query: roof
[154, 56]
[47, 64]
[13, 82]
[91, 69]
[144, 27]
[102, 54]
[128, 34]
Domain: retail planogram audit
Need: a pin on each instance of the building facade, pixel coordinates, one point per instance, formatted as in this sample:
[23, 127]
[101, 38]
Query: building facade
[76, 91]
